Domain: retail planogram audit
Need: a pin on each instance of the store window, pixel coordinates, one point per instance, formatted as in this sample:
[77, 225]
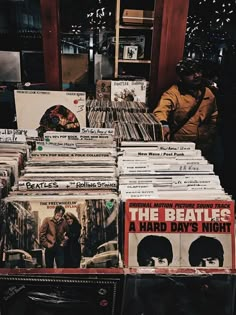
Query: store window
[87, 42]
[21, 51]
[211, 38]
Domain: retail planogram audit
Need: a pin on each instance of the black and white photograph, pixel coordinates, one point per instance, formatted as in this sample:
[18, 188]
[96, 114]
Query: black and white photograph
[130, 52]
[208, 251]
[154, 250]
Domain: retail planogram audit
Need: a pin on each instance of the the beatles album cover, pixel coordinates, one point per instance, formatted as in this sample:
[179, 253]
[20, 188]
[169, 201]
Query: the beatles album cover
[50, 110]
[129, 90]
[72, 231]
[174, 233]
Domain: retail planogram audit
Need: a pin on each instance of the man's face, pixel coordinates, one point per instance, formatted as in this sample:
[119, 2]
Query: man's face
[58, 216]
[192, 80]
[157, 262]
[209, 262]
[63, 120]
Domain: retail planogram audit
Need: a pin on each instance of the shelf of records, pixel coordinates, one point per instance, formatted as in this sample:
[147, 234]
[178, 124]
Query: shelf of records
[78, 200]
[130, 119]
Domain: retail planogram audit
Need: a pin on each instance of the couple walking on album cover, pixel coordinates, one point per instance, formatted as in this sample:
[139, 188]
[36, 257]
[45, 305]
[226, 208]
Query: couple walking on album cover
[59, 235]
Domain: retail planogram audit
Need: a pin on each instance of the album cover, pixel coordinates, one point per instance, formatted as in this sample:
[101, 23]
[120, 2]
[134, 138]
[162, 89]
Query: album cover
[179, 233]
[138, 41]
[66, 231]
[103, 89]
[128, 90]
[50, 110]
[130, 52]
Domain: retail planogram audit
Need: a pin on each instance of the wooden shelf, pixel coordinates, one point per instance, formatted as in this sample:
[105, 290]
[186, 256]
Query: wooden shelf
[134, 61]
[162, 48]
[129, 29]
[136, 27]
[22, 272]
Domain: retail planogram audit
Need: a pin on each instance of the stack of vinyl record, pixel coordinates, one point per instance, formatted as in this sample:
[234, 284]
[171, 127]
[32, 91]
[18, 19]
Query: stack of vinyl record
[75, 172]
[15, 147]
[175, 211]
[166, 170]
[131, 120]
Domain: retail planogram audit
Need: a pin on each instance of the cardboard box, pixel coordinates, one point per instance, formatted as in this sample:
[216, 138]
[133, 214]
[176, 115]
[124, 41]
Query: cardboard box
[138, 17]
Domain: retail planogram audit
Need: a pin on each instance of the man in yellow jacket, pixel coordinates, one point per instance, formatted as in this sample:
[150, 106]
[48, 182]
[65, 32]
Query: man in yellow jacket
[188, 110]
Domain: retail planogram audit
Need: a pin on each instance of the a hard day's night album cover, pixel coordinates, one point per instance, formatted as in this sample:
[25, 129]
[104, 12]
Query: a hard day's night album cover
[188, 233]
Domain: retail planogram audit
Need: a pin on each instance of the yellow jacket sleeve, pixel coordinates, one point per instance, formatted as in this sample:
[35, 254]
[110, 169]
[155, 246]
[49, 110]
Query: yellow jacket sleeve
[166, 104]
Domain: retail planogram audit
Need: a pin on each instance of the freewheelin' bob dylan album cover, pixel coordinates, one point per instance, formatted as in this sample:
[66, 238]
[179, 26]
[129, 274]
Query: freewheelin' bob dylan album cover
[174, 233]
[50, 110]
[72, 231]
